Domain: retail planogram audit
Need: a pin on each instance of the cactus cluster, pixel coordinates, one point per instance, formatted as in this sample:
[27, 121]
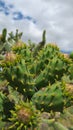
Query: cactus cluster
[34, 79]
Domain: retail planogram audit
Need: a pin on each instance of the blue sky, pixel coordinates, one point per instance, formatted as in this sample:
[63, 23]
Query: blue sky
[33, 16]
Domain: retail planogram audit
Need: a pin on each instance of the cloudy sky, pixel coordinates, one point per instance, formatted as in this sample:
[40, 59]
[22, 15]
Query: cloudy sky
[33, 16]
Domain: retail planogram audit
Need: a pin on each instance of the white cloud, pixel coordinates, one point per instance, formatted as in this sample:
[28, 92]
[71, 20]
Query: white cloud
[56, 16]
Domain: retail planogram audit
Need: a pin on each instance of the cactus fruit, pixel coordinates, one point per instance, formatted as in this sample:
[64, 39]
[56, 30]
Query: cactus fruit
[24, 116]
[10, 56]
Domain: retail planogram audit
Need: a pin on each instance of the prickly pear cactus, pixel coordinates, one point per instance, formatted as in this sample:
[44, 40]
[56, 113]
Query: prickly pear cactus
[55, 97]
[40, 74]
[18, 74]
[47, 67]
[50, 66]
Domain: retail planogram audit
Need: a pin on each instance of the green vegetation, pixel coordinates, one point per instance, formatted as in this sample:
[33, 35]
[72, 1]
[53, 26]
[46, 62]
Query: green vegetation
[36, 85]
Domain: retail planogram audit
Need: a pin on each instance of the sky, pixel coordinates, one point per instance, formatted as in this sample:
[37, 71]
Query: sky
[33, 16]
